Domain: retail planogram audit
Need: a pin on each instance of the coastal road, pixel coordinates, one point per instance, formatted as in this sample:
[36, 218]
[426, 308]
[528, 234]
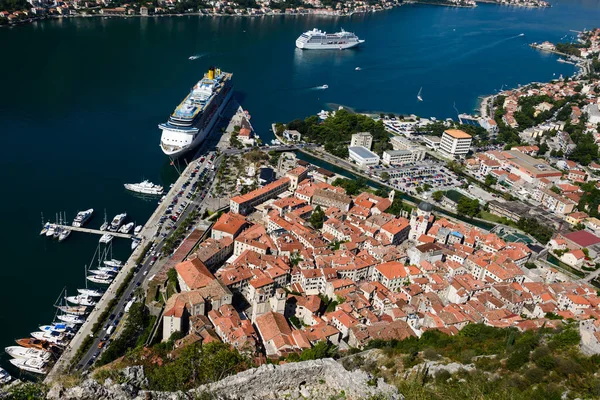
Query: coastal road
[147, 264]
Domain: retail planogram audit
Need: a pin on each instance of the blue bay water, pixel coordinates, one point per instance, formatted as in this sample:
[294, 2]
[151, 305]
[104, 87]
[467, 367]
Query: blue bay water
[81, 100]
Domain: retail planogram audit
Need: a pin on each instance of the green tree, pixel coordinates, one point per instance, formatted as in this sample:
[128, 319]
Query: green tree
[437, 195]
[384, 176]
[322, 349]
[490, 180]
[317, 218]
[469, 207]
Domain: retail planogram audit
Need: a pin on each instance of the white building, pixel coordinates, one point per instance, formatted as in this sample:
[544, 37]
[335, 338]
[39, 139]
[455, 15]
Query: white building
[432, 142]
[364, 139]
[362, 156]
[455, 143]
[402, 156]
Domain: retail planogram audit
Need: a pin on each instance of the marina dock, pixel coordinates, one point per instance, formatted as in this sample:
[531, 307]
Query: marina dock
[147, 234]
[96, 231]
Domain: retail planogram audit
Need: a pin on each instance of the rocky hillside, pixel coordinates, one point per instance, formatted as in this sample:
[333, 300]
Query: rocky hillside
[318, 379]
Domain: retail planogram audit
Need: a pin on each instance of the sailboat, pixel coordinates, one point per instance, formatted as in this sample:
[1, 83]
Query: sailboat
[104, 226]
[58, 229]
[64, 233]
[419, 94]
[45, 226]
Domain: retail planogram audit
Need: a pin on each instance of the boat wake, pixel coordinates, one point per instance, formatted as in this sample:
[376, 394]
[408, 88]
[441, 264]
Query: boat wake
[322, 87]
[196, 56]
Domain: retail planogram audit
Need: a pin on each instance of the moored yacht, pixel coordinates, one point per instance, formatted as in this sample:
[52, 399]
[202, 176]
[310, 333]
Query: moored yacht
[36, 344]
[103, 279]
[64, 234]
[71, 319]
[101, 272]
[24, 352]
[4, 376]
[117, 221]
[45, 228]
[50, 230]
[90, 292]
[82, 217]
[145, 187]
[138, 229]
[81, 300]
[52, 337]
[134, 243]
[127, 227]
[75, 310]
[34, 365]
[106, 238]
[113, 263]
[58, 327]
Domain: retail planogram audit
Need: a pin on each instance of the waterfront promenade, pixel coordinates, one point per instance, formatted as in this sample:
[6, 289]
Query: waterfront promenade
[147, 234]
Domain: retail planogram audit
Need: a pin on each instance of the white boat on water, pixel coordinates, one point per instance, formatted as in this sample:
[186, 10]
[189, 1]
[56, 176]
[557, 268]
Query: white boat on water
[106, 238]
[113, 263]
[134, 243]
[50, 230]
[45, 228]
[110, 270]
[103, 279]
[4, 376]
[52, 337]
[117, 221]
[318, 40]
[104, 226]
[57, 327]
[75, 310]
[57, 232]
[81, 300]
[127, 227]
[101, 272]
[82, 217]
[90, 292]
[71, 319]
[194, 118]
[145, 187]
[25, 352]
[138, 229]
[419, 94]
[35, 365]
[64, 234]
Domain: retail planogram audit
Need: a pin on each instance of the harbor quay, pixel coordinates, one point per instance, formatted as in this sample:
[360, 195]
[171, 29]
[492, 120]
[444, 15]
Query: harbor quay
[148, 233]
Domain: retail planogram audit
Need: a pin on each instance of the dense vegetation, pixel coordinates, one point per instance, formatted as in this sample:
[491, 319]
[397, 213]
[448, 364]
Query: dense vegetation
[336, 132]
[544, 364]
[352, 186]
[541, 232]
[195, 365]
[468, 207]
[135, 333]
[14, 5]
[572, 49]
[590, 200]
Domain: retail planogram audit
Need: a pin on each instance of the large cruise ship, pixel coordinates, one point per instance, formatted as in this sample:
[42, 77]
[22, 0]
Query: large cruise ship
[319, 40]
[194, 118]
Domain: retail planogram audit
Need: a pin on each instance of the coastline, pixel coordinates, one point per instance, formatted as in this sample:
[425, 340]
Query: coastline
[306, 12]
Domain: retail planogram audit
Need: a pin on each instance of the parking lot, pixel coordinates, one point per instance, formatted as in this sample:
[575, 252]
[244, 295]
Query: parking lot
[408, 177]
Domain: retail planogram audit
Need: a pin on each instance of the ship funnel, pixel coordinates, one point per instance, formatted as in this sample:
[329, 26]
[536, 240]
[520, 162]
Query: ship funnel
[211, 73]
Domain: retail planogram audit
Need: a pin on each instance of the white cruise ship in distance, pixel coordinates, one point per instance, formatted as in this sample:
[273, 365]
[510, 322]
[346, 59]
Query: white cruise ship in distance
[319, 40]
[196, 115]
[145, 187]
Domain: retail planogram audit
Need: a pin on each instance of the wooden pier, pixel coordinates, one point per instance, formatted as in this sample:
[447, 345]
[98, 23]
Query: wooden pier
[96, 231]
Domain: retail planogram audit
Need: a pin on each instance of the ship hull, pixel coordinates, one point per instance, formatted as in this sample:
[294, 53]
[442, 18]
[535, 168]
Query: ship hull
[319, 46]
[199, 137]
